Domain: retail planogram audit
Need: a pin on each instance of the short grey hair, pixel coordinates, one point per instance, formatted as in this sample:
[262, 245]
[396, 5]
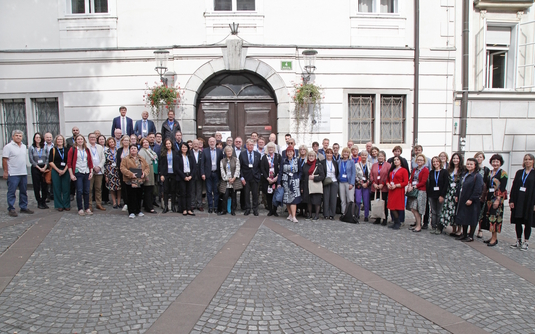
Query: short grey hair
[227, 148]
[17, 132]
[271, 144]
[250, 141]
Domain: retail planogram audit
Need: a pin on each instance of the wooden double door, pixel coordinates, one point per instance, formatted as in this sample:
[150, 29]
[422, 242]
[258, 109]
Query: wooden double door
[240, 117]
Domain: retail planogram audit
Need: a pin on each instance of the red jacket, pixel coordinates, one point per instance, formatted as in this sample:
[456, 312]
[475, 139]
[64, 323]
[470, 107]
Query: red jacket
[422, 178]
[383, 176]
[71, 159]
[396, 197]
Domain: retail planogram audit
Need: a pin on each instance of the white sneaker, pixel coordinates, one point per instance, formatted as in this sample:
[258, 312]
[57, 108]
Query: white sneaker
[132, 216]
[81, 213]
[295, 220]
[125, 207]
[141, 214]
[517, 245]
[88, 212]
[289, 217]
[524, 246]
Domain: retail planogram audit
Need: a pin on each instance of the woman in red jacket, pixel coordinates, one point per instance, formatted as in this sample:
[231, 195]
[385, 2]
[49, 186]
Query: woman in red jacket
[398, 178]
[379, 178]
[417, 201]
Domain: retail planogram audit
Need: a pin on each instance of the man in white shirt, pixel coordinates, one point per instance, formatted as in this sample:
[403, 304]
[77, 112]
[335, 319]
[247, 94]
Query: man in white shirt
[260, 144]
[122, 122]
[97, 155]
[16, 174]
[144, 126]
[238, 146]
[48, 142]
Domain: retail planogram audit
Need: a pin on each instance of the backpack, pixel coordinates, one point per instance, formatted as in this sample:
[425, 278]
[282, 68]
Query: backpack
[349, 214]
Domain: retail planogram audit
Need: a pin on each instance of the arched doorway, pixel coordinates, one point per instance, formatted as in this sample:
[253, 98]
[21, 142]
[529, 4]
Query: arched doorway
[239, 103]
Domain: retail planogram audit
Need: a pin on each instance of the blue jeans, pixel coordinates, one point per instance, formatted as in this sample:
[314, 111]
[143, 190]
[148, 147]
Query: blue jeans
[82, 188]
[212, 193]
[14, 182]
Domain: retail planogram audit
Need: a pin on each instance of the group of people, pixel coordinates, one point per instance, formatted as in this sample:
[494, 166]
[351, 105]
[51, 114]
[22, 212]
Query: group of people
[143, 166]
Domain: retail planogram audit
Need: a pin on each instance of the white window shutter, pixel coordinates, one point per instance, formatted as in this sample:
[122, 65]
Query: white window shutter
[525, 58]
[480, 56]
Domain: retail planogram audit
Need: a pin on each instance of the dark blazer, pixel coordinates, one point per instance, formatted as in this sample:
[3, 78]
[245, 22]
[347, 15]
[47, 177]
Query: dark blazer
[179, 171]
[138, 127]
[264, 165]
[116, 124]
[207, 162]
[470, 189]
[175, 148]
[157, 148]
[524, 201]
[69, 142]
[162, 164]
[319, 176]
[284, 153]
[234, 151]
[443, 184]
[167, 132]
[335, 166]
[198, 167]
[247, 172]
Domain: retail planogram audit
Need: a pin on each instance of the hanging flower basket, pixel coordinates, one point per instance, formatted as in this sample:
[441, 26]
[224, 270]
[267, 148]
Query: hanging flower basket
[160, 99]
[307, 98]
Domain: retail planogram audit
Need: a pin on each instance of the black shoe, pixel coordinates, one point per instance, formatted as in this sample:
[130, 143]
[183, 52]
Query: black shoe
[467, 239]
[165, 210]
[420, 230]
[315, 218]
[233, 213]
[41, 206]
[221, 213]
[493, 244]
[275, 214]
[210, 210]
[486, 241]
[331, 218]
[255, 213]
[247, 212]
[377, 222]
[173, 208]
[461, 237]
[384, 222]
[412, 225]
[366, 219]
[155, 204]
[396, 226]
[28, 211]
[425, 227]
[47, 200]
[269, 214]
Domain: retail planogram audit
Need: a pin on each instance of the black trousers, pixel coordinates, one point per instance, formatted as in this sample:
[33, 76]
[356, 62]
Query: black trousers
[251, 187]
[169, 190]
[269, 197]
[184, 196]
[148, 198]
[40, 188]
[134, 199]
[229, 192]
[105, 191]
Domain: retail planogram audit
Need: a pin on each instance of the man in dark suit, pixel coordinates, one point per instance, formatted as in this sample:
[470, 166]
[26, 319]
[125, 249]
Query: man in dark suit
[177, 142]
[211, 173]
[170, 126]
[122, 122]
[70, 141]
[250, 176]
[196, 172]
[144, 126]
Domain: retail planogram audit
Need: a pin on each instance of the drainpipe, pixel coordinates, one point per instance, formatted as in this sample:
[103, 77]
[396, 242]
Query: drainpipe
[416, 70]
[465, 73]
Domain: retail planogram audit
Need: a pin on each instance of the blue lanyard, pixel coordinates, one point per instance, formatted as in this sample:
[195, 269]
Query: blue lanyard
[492, 178]
[187, 161]
[113, 154]
[228, 166]
[94, 152]
[177, 147]
[464, 178]
[292, 165]
[302, 161]
[82, 154]
[40, 153]
[524, 177]
[364, 169]
[61, 154]
[436, 178]
[394, 173]
[170, 159]
[330, 167]
[343, 167]
[271, 161]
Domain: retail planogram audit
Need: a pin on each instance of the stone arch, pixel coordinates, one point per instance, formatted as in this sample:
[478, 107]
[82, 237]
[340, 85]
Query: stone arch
[215, 66]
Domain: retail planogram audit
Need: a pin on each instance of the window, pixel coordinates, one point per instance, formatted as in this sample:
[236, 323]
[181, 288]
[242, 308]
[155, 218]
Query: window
[89, 6]
[46, 115]
[392, 119]
[377, 6]
[234, 5]
[13, 117]
[361, 112]
[498, 40]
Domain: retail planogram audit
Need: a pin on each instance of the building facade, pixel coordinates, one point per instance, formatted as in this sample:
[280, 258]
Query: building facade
[79, 60]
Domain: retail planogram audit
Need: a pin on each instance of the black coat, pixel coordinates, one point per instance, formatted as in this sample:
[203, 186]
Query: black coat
[167, 132]
[524, 201]
[319, 176]
[180, 166]
[264, 166]
[207, 162]
[471, 189]
[248, 173]
[199, 165]
[335, 166]
[162, 164]
[443, 184]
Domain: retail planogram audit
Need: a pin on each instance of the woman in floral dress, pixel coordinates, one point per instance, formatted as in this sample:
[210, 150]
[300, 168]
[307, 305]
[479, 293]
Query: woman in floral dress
[456, 171]
[111, 172]
[492, 216]
[291, 173]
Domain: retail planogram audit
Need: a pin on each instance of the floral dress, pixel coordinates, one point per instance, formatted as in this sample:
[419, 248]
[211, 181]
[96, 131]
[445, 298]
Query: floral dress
[447, 217]
[491, 219]
[111, 171]
[290, 181]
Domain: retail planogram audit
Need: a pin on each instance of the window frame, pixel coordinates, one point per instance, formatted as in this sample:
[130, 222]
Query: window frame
[67, 9]
[392, 120]
[234, 7]
[376, 7]
[371, 118]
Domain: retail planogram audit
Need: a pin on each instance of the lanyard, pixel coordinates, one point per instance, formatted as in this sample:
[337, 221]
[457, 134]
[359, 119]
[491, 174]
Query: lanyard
[40, 153]
[169, 158]
[364, 169]
[464, 178]
[187, 161]
[292, 165]
[394, 173]
[416, 173]
[524, 177]
[113, 154]
[82, 154]
[212, 154]
[271, 161]
[177, 147]
[436, 177]
[94, 153]
[228, 166]
[61, 153]
[331, 167]
[379, 169]
[343, 167]
[144, 126]
[492, 178]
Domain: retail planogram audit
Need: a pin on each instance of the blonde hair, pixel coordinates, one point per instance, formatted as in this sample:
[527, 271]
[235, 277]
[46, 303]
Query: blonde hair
[346, 150]
[421, 155]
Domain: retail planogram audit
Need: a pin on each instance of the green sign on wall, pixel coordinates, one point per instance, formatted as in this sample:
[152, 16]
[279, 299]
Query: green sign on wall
[286, 65]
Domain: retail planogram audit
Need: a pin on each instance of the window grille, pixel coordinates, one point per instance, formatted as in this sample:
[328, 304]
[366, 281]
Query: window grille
[46, 115]
[13, 117]
[392, 119]
[361, 118]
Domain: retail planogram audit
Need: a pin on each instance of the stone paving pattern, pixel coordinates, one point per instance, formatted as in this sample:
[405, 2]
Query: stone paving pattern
[277, 287]
[109, 274]
[10, 234]
[440, 269]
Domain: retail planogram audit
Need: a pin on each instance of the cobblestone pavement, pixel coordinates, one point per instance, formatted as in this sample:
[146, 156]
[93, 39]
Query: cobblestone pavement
[111, 274]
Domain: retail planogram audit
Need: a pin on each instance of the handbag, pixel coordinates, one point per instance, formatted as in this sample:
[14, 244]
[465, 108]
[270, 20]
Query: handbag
[378, 207]
[413, 193]
[327, 181]
[278, 196]
[315, 187]
[48, 176]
